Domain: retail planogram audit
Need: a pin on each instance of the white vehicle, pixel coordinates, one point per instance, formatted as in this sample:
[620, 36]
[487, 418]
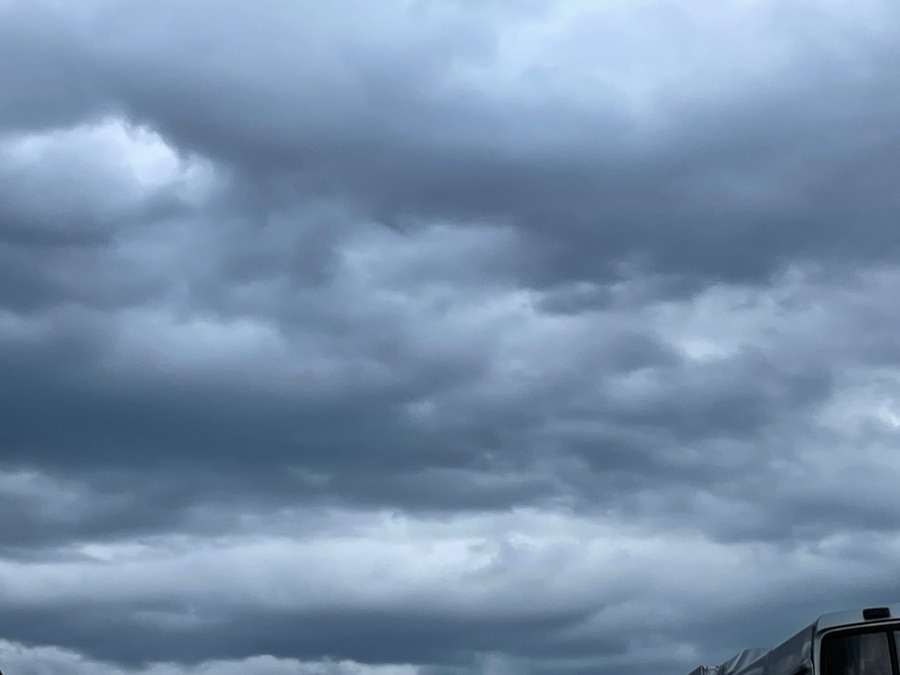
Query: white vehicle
[857, 642]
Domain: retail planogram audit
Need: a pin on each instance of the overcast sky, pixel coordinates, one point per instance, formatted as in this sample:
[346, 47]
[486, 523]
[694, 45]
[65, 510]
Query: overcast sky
[444, 337]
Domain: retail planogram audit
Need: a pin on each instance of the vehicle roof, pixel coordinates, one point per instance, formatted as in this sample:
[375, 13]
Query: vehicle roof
[851, 617]
[797, 649]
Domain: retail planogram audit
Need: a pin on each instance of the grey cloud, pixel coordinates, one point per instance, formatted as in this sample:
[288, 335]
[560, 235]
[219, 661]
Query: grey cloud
[381, 118]
[269, 270]
[47, 661]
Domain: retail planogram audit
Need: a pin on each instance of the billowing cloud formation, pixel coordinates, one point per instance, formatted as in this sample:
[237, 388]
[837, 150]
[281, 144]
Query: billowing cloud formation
[432, 337]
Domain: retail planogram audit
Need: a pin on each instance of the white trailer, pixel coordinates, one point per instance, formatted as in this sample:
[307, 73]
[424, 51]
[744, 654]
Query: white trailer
[856, 642]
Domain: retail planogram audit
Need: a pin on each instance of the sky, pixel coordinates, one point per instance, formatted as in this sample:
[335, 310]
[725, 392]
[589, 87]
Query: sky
[444, 337]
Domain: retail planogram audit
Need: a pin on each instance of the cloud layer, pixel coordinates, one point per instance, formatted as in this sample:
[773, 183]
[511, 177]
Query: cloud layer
[442, 337]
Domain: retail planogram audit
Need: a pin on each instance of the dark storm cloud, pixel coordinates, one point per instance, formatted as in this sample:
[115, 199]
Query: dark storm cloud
[730, 188]
[365, 637]
[358, 432]
[595, 306]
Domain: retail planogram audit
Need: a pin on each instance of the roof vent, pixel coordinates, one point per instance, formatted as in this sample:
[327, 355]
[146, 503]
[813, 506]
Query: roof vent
[871, 613]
